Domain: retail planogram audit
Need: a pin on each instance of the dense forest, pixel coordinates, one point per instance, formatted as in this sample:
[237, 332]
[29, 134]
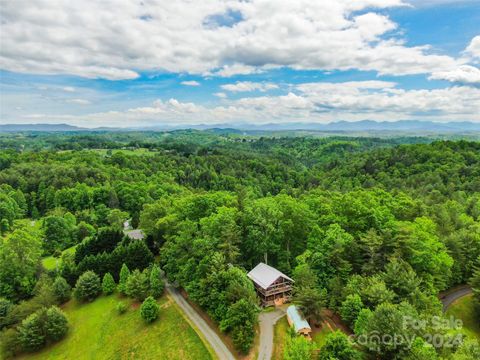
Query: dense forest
[372, 229]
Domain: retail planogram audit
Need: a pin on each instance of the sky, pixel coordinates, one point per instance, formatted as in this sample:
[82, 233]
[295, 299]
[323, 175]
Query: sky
[141, 63]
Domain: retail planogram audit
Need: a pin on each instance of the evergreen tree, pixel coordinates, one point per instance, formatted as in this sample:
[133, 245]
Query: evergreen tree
[124, 274]
[108, 284]
[156, 282]
[87, 287]
[61, 290]
[149, 310]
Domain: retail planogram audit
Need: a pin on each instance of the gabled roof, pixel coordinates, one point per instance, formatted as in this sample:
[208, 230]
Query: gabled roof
[135, 234]
[265, 275]
[297, 319]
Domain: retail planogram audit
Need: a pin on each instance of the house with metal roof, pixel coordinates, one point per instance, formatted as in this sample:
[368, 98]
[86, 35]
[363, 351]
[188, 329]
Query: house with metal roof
[272, 286]
[135, 234]
[296, 319]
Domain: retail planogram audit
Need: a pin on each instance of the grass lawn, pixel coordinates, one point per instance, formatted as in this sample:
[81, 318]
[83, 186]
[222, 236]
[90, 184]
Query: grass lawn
[50, 262]
[279, 338]
[464, 309]
[97, 331]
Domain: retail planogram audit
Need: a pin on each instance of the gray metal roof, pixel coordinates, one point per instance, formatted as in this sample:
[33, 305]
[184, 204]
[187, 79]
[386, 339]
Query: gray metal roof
[299, 322]
[265, 275]
[135, 234]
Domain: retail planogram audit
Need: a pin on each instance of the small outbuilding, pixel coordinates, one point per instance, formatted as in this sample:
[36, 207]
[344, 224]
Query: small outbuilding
[296, 319]
[272, 286]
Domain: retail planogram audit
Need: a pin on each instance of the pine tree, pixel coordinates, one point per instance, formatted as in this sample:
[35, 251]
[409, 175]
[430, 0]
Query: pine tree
[108, 284]
[124, 274]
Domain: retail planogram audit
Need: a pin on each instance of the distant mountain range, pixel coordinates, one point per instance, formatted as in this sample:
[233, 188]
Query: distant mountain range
[409, 126]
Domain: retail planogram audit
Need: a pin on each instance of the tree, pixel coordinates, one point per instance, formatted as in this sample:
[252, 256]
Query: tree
[124, 274]
[56, 324]
[297, 348]
[240, 320]
[20, 255]
[5, 306]
[31, 333]
[149, 309]
[156, 282]
[351, 307]
[10, 343]
[304, 276]
[116, 218]
[84, 230]
[87, 287]
[338, 346]
[421, 350]
[61, 290]
[59, 233]
[137, 285]
[390, 319]
[108, 284]
[310, 301]
[475, 281]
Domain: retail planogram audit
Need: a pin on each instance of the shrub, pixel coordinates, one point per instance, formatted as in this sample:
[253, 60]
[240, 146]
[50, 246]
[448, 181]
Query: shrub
[156, 283]
[61, 290]
[137, 285]
[56, 324]
[108, 284]
[149, 309]
[121, 308]
[10, 344]
[42, 326]
[31, 332]
[87, 287]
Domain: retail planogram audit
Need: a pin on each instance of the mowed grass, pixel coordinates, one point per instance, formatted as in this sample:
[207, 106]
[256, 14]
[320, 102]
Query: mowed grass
[279, 338]
[465, 310]
[50, 262]
[97, 331]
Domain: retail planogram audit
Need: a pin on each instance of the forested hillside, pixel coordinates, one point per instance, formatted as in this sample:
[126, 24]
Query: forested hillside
[372, 229]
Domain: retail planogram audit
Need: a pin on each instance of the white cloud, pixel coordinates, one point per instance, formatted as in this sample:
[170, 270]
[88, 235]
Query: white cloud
[463, 74]
[118, 40]
[78, 101]
[473, 48]
[236, 69]
[190, 83]
[247, 86]
[68, 89]
[221, 95]
[311, 102]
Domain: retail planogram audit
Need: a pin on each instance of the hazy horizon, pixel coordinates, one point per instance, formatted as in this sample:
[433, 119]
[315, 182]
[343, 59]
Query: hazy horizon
[226, 62]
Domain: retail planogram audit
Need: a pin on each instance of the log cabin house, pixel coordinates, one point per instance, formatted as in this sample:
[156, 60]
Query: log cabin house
[272, 286]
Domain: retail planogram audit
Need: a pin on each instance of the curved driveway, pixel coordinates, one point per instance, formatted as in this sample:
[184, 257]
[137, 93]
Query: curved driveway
[211, 336]
[267, 322]
[449, 298]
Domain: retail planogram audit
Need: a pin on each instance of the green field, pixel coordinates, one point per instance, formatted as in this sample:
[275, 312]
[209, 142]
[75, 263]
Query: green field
[50, 262]
[464, 309]
[97, 331]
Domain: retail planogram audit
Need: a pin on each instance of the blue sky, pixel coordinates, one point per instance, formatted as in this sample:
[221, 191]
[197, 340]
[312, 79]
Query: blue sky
[225, 61]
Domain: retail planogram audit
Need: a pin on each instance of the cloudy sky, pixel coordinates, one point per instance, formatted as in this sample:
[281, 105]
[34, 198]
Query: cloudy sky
[155, 62]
